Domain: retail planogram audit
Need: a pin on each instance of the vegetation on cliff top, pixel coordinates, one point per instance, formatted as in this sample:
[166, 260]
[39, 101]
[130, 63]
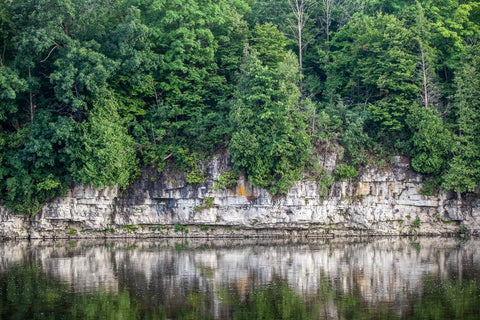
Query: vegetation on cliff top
[91, 91]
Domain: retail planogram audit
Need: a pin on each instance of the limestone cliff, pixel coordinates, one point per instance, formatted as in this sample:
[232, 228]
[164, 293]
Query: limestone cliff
[384, 201]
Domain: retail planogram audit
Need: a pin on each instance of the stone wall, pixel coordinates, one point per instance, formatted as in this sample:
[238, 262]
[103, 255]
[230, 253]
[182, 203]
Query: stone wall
[383, 201]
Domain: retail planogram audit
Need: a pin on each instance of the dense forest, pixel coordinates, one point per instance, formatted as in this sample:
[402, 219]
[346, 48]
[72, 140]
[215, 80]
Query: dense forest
[92, 91]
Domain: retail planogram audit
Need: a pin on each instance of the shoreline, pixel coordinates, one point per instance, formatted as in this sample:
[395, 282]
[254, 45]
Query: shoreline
[216, 232]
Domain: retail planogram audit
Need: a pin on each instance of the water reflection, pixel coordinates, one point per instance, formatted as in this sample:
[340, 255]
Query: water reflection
[331, 279]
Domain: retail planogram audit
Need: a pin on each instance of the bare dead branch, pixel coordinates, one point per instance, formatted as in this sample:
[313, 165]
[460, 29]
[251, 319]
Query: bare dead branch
[48, 55]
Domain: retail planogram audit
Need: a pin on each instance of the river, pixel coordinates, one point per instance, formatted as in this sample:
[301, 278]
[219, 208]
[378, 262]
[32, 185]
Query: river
[340, 278]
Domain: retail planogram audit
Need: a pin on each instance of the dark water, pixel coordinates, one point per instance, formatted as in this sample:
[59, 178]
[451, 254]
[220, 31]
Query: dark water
[428, 278]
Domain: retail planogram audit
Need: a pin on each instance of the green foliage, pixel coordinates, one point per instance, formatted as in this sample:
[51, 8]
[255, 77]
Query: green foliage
[34, 163]
[274, 301]
[325, 181]
[180, 228]
[269, 43]
[450, 299]
[431, 141]
[196, 175]
[33, 295]
[416, 223]
[125, 83]
[269, 140]
[430, 186]
[208, 202]
[226, 180]
[27, 292]
[190, 86]
[104, 153]
[91, 91]
[110, 230]
[11, 85]
[344, 172]
[354, 138]
[463, 173]
[130, 228]
[389, 88]
[337, 121]
[464, 230]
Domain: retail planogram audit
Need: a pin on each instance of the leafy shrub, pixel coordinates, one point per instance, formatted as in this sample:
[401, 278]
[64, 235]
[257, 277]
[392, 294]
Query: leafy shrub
[325, 181]
[226, 180]
[430, 186]
[196, 175]
[209, 202]
[344, 172]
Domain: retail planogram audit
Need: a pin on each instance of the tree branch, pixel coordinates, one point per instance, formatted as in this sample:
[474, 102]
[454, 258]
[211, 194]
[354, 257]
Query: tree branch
[48, 55]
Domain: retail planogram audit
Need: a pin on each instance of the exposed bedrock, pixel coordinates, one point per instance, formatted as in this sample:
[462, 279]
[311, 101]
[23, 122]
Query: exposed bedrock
[385, 201]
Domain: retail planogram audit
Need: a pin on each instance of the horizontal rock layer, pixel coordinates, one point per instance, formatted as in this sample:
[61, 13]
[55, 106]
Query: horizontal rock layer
[383, 201]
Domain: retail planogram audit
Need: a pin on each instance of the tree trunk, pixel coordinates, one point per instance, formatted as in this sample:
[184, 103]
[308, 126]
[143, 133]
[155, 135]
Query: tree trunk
[30, 95]
[425, 78]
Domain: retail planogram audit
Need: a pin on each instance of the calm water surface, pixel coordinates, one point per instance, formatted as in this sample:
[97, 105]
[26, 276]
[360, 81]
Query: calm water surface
[426, 278]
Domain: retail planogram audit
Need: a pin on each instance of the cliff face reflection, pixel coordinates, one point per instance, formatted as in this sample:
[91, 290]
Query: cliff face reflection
[338, 278]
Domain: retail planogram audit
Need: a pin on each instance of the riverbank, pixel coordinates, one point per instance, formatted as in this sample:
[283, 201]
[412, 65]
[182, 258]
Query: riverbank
[204, 232]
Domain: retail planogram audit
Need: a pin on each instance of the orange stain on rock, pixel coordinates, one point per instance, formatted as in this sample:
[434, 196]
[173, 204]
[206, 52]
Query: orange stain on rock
[241, 190]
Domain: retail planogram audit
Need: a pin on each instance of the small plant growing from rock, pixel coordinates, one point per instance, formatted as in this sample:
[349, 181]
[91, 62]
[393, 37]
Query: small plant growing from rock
[180, 228]
[131, 228]
[226, 180]
[344, 172]
[208, 203]
[325, 181]
[463, 230]
[416, 223]
[196, 175]
[430, 186]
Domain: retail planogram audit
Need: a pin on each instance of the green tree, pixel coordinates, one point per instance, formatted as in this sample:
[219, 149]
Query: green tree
[103, 154]
[374, 66]
[463, 173]
[431, 141]
[34, 162]
[269, 139]
[269, 43]
[188, 82]
[54, 72]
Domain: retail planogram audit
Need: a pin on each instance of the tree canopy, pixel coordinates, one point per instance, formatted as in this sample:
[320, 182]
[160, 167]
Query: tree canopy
[93, 91]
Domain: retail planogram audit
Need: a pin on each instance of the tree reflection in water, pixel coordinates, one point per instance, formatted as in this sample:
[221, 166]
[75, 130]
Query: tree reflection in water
[27, 293]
